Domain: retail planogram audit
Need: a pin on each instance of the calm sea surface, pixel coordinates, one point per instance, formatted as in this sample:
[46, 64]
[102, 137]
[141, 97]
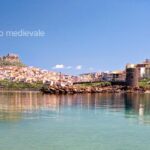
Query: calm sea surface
[33, 121]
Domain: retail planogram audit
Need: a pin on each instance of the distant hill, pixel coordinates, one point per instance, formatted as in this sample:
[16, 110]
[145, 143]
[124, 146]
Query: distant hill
[11, 60]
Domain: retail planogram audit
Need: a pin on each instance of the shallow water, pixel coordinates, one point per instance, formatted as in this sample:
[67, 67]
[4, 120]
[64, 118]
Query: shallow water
[33, 121]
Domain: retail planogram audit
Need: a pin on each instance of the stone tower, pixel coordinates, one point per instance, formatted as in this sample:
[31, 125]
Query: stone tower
[132, 76]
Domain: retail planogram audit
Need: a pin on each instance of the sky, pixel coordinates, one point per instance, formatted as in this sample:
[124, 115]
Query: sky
[80, 35]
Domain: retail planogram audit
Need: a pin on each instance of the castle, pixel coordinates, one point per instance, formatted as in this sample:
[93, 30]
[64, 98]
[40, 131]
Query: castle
[12, 58]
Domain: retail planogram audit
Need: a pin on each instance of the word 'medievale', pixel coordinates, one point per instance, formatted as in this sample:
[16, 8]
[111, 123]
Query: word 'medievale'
[22, 33]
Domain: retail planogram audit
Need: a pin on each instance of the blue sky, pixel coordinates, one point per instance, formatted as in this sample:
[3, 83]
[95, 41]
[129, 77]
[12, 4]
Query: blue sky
[81, 35]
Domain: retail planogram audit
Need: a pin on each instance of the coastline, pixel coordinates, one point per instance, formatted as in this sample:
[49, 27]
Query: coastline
[77, 89]
[99, 87]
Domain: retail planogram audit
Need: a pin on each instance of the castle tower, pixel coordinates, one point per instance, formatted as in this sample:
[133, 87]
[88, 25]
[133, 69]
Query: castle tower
[132, 75]
[11, 58]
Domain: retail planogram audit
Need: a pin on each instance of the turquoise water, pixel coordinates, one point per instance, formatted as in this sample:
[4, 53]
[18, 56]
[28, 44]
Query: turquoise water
[33, 121]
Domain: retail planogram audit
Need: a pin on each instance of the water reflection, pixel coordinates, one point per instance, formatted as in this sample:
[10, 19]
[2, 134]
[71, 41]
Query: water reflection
[138, 105]
[20, 105]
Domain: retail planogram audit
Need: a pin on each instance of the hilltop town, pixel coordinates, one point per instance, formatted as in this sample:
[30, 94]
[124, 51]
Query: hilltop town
[13, 70]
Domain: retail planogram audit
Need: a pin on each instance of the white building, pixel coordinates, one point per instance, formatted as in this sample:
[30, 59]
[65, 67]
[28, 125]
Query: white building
[147, 72]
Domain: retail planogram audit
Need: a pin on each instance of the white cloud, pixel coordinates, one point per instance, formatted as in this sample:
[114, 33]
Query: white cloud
[59, 66]
[62, 66]
[79, 67]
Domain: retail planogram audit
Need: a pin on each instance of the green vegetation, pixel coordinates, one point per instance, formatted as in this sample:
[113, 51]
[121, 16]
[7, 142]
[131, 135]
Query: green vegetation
[6, 84]
[145, 83]
[7, 63]
[94, 84]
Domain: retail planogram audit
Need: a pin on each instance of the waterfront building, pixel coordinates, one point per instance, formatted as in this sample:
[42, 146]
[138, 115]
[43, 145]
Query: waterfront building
[106, 76]
[143, 69]
[90, 77]
[147, 72]
[118, 75]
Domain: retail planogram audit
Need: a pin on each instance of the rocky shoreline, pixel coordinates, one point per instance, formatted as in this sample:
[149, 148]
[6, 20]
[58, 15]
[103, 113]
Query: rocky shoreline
[77, 89]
